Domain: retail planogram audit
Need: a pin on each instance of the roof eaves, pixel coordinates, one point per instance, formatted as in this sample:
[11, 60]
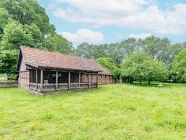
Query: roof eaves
[32, 64]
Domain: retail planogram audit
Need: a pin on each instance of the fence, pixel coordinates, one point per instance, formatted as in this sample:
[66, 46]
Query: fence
[8, 83]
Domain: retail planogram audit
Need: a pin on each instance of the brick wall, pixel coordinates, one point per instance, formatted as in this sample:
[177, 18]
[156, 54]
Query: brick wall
[24, 79]
[102, 79]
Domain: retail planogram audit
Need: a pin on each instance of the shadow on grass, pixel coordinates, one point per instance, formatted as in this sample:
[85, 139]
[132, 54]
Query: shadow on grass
[144, 84]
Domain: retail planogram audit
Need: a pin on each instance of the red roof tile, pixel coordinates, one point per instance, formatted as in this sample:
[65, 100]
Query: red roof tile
[55, 60]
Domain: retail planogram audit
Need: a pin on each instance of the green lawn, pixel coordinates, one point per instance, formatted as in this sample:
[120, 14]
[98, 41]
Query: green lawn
[109, 112]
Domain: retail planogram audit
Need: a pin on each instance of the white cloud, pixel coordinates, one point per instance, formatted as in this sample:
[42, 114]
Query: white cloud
[83, 35]
[139, 36]
[137, 14]
[52, 6]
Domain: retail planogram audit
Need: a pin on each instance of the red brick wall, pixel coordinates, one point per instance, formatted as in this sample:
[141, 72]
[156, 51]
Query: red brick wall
[84, 78]
[24, 79]
[102, 79]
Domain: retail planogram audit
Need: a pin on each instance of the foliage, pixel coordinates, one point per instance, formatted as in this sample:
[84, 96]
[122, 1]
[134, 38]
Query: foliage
[159, 48]
[57, 43]
[4, 16]
[8, 59]
[3, 77]
[179, 66]
[15, 36]
[36, 34]
[140, 65]
[84, 50]
[28, 12]
[109, 112]
[109, 64]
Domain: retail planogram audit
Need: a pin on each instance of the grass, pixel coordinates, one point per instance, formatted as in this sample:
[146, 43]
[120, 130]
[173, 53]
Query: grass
[109, 112]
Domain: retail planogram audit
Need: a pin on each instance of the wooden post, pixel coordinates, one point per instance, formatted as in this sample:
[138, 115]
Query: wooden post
[97, 80]
[79, 79]
[88, 80]
[68, 80]
[36, 79]
[41, 80]
[56, 80]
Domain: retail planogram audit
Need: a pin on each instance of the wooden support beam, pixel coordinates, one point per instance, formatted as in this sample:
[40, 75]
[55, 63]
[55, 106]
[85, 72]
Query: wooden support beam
[56, 80]
[79, 79]
[68, 80]
[41, 80]
[97, 80]
[36, 78]
[88, 80]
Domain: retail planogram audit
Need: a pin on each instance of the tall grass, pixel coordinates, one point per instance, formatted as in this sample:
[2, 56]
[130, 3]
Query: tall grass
[109, 112]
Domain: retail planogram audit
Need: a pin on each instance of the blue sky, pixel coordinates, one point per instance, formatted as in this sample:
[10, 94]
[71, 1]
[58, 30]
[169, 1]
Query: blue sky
[109, 21]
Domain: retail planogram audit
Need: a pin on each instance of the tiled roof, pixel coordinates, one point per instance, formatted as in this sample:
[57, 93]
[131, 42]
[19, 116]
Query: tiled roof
[55, 60]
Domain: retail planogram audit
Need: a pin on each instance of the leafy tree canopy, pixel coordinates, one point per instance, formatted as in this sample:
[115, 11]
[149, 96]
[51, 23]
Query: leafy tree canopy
[4, 16]
[16, 34]
[8, 61]
[109, 64]
[28, 12]
[179, 66]
[141, 66]
[57, 43]
[159, 48]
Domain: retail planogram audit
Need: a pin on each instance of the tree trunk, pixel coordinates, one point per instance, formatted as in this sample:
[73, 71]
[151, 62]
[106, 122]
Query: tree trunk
[149, 81]
[129, 80]
[140, 81]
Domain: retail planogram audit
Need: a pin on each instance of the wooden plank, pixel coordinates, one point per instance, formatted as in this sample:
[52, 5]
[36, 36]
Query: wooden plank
[89, 80]
[36, 78]
[79, 79]
[97, 80]
[41, 81]
[56, 80]
[69, 80]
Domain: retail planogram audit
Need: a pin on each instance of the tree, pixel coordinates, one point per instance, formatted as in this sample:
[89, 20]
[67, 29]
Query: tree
[57, 43]
[14, 36]
[36, 34]
[28, 12]
[4, 16]
[157, 71]
[8, 59]
[84, 50]
[179, 65]
[141, 66]
[109, 64]
[157, 48]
